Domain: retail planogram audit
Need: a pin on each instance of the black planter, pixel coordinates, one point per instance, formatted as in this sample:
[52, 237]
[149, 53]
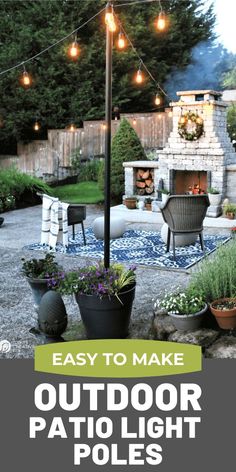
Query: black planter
[1, 220]
[106, 318]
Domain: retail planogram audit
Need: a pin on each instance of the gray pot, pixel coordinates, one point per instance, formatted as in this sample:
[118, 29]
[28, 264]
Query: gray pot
[188, 322]
[39, 287]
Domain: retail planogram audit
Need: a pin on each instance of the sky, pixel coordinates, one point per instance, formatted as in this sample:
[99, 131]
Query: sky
[226, 22]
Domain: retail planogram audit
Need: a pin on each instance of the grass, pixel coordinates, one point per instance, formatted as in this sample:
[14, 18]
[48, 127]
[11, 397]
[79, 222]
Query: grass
[83, 192]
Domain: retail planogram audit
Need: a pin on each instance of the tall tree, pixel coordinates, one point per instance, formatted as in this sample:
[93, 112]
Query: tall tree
[65, 90]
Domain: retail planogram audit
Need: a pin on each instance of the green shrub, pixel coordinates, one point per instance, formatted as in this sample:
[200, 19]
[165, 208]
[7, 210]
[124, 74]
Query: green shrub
[14, 183]
[216, 276]
[126, 146]
[89, 171]
[231, 122]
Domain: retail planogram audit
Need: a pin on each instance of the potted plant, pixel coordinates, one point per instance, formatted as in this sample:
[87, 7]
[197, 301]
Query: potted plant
[230, 210]
[164, 195]
[233, 232]
[37, 273]
[214, 196]
[186, 309]
[224, 310]
[131, 202]
[148, 203]
[104, 296]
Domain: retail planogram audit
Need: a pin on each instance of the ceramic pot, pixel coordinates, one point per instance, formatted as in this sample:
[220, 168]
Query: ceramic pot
[226, 319]
[107, 317]
[188, 322]
[164, 197]
[130, 203]
[214, 198]
[39, 287]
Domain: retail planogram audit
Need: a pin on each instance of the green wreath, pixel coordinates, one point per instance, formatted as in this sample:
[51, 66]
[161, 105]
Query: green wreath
[183, 126]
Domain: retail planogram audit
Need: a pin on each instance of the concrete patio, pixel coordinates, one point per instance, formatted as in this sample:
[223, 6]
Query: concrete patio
[22, 227]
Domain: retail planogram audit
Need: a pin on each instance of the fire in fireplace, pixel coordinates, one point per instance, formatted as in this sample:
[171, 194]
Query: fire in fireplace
[189, 182]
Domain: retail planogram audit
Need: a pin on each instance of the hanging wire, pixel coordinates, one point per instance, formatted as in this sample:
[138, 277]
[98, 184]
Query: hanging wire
[141, 61]
[52, 45]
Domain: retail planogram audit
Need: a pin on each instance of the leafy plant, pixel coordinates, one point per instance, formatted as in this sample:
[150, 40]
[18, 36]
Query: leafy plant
[126, 146]
[216, 277]
[230, 208]
[14, 183]
[182, 303]
[89, 171]
[213, 191]
[95, 280]
[165, 191]
[41, 268]
[148, 200]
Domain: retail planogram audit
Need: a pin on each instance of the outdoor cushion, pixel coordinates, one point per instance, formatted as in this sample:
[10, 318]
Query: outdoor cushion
[117, 227]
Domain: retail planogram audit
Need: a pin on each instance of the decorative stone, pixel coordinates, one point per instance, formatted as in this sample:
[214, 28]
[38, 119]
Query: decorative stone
[181, 239]
[201, 337]
[52, 316]
[162, 327]
[117, 227]
[223, 348]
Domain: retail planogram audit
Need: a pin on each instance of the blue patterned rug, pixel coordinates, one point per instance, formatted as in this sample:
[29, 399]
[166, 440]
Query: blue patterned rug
[138, 248]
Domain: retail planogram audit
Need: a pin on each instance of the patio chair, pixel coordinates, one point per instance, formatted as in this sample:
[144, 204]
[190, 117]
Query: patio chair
[184, 214]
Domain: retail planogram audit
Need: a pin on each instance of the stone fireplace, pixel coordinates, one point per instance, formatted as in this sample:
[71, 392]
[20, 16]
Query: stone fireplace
[191, 166]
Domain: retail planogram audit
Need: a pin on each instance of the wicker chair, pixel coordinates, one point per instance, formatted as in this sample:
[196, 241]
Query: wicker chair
[184, 214]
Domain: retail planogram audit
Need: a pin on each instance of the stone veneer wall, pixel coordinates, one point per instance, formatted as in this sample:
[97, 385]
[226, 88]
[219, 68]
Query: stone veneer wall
[212, 152]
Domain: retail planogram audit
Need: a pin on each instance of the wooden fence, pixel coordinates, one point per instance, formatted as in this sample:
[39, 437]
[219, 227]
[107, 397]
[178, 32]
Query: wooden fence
[51, 158]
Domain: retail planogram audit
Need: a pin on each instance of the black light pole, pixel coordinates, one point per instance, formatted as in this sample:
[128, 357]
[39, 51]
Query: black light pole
[108, 117]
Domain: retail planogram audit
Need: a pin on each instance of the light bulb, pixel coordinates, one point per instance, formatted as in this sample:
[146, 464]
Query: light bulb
[134, 121]
[139, 77]
[161, 21]
[170, 114]
[72, 127]
[121, 41]
[157, 99]
[36, 126]
[25, 79]
[182, 120]
[73, 51]
[110, 21]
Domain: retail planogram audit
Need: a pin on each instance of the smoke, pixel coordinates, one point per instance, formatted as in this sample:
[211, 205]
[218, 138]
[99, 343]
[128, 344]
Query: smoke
[208, 62]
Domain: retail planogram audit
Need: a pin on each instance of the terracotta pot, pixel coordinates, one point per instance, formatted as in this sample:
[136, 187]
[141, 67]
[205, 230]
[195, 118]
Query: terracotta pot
[230, 215]
[131, 203]
[226, 319]
[148, 206]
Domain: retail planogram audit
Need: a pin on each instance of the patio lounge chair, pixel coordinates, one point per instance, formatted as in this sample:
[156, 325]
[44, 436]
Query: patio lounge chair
[184, 214]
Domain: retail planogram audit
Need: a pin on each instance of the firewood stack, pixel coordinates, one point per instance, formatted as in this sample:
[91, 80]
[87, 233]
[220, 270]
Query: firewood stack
[144, 181]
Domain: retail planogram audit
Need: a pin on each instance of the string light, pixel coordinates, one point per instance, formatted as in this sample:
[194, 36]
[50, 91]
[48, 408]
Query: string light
[109, 19]
[73, 50]
[157, 99]
[121, 41]
[161, 20]
[170, 113]
[72, 127]
[134, 121]
[139, 76]
[36, 126]
[25, 79]
[103, 126]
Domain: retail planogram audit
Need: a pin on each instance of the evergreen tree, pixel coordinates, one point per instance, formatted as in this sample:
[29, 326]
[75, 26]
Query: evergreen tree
[126, 146]
[65, 90]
